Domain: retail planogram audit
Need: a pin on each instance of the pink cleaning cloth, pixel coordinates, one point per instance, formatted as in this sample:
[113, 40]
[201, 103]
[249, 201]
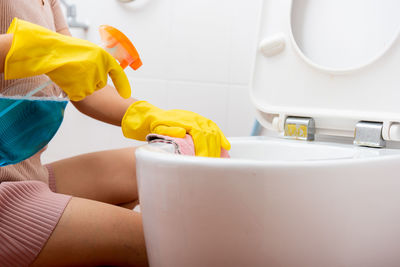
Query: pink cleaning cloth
[183, 146]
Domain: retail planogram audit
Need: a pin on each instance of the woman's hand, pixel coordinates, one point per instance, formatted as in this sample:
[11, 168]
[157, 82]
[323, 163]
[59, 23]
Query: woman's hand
[77, 66]
[142, 118]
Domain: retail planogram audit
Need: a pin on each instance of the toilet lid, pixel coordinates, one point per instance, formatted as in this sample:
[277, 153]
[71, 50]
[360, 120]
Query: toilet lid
[287, 82]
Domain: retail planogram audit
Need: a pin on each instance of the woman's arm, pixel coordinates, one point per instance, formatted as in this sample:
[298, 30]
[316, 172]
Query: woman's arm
[5, 45]
[104, 105]
[107, 106]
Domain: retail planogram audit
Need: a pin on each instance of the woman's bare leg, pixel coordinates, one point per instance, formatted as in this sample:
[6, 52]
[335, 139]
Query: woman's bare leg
[91, 233]
[107, 176]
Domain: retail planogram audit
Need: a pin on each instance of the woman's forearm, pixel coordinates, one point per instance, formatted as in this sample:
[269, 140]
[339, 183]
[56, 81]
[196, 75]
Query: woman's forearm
[105, 105]
[5, 45]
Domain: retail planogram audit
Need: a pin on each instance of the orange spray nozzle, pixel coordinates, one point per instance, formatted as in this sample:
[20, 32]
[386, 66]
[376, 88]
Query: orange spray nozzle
[118, 45]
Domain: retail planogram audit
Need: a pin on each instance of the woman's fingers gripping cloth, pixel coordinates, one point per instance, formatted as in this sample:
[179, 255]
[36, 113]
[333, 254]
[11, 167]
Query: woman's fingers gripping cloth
[183, 146]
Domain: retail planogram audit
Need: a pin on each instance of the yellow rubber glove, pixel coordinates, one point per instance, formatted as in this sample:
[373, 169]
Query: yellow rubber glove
[79, 67]
[142, 118]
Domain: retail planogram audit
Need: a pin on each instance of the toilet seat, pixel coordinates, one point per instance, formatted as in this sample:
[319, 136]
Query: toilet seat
[287, 83]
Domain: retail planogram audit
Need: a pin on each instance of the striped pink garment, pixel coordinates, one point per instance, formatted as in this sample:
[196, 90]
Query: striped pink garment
[29, 210]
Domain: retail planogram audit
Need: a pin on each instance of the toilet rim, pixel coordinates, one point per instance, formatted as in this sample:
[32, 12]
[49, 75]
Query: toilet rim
[319, 67]
[154, 153]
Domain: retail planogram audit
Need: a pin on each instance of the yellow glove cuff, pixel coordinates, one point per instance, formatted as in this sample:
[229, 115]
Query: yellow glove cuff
[136, 123]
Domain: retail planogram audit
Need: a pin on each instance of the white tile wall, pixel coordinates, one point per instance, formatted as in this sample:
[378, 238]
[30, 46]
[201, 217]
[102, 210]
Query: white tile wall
[197, 56]
[199, 41]
[241, 116]
[209, 100]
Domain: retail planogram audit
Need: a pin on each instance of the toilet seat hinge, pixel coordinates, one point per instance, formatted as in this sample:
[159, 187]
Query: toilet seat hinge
[369, 134]
[300, 128]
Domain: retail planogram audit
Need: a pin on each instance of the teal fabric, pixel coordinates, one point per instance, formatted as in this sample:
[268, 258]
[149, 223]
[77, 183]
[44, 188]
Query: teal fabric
[27, 125]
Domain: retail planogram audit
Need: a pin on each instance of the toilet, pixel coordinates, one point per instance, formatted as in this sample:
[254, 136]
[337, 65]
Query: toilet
[323, 189]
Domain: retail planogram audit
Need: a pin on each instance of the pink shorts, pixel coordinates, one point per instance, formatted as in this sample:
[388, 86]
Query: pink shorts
[29, 212]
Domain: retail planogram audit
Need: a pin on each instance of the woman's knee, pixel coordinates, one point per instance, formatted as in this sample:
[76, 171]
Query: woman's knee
[107, 176]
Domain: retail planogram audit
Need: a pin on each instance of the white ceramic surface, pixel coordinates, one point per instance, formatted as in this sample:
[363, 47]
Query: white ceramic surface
[280, 202]
[276, 202]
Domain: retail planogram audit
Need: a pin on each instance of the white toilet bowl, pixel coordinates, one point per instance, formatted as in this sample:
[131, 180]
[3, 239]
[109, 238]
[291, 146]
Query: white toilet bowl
[280, 202]
[274, 203]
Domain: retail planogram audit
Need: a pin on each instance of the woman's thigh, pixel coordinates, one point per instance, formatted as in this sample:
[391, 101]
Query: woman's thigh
[107, 176]
[92, 233]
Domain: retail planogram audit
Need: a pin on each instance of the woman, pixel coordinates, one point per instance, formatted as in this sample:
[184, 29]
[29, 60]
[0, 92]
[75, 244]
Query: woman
[77, 211]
